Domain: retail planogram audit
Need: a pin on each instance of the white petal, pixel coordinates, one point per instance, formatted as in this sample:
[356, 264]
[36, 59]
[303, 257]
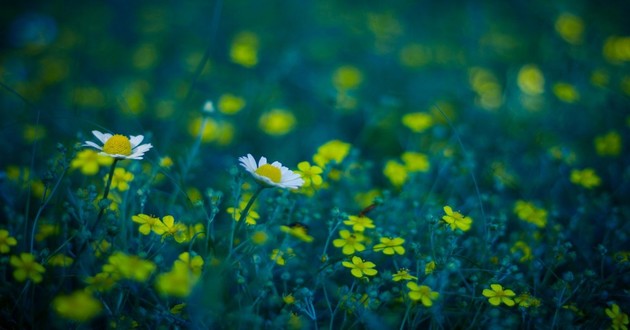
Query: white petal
[103, 137]
[93, 145]
[277, 164]
[142, 148]
[262, 161]
[135, 140]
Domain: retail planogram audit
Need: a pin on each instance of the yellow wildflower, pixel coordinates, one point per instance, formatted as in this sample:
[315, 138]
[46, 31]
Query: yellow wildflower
[570, 28]
[231, 104]
[148, 224]
[619, 319]
[608, 144]
[310, 174]
[359, 223]
[403, 275]
[396, 173]
[422, 293]
[297, 230]
[359, 267]
[497, 295]
[60, 260]
[531, 80]
[390, 246]
[456, 220]
[121, 179]
[415, 162]
[79, 306]
[6, 241]
[527, 211]
[331, 151]
[349, 242]
[26, 268]
[89, 161]
[566, 92]
[277, 122]
[244, 49]
[524, 249]
[417, 122]
[132, 267]
[586, 178]
[429, 268]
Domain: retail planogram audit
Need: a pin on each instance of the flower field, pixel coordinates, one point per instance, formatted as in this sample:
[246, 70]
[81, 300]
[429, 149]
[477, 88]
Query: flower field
[315, 165]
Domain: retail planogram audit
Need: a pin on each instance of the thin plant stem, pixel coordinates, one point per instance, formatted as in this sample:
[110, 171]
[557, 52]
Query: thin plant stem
[243, 216]
[105, 194]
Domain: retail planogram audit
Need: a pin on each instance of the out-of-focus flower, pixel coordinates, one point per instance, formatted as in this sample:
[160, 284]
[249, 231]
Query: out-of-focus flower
[586, 178]
[79, 306]
[277, 122]
[422, 293]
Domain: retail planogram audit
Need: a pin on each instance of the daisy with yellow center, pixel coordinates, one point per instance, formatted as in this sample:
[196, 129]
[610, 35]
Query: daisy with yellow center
[119, 146]
[271, 175]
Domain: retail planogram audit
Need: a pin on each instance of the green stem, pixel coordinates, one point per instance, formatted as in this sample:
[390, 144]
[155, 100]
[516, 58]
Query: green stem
[244, 213]
[105, 194]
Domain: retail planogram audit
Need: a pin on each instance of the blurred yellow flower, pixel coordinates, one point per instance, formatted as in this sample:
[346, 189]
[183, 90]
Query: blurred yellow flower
[527, 211]
[347, 77]
[331, 151]
[244, 49]
[422, 293]
[531, 80]
[6, 241]
[79, 306]
[277, 122]
[566, 92]
[121, 179]
[298, 230]
[617, 49]
[396, 173]
[280, 256]
[524, 249]
[618, 318]
[33, 133]
[100, 282]
[252, 215]
[570, 28]
[130, 267]
[25, 267]
[231, 104]
[417, 122]
[60, 260]
[586, 178]
[429, 268]
[415, 161]
[89, 161]
[608, 144]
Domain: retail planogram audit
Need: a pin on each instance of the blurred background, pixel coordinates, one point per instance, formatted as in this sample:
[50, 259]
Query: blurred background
[514, 77]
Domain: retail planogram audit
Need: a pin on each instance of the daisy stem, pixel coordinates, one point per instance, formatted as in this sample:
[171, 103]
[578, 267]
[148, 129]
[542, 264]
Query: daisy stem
[244, 213]
[105, 194]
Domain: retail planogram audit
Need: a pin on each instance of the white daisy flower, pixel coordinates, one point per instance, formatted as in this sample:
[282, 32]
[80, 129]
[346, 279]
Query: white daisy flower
[119, 146]
[273, 174]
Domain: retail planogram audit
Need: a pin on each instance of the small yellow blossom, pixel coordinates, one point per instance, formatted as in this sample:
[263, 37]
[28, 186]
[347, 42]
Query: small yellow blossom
[456, 220]
[396, 173]
[524, 249]
[359, 223]
[331, 151]
[252, 215]
[231, 104]
[280, 256]
[101, 247]
[528, 212]
[617, 49]
[277, 122]
[359, 267]
[194, 264]
[121, 179]
[181, 279]
[79, 306]
[415, 162]
[244, 49]
[349, 242]
[417, 122]
[570, 28]
[130, 267]
[566, 92]
[25, 267]
[260, 237]
[390, 246]
[347, 77]
[298, 230]
[6, 241]
[89, 161]
[618, 318]
[526, 300]
[531, 80]
[148, 224]
[497, 295]
[586, 178]
[403, 275]
[608, 144]
[429, 268]
[310, 174]
[60, 260]
[288, 299]
[46, 230]
[100, 282]
[173, 229]
[166, 162]
[422, 293]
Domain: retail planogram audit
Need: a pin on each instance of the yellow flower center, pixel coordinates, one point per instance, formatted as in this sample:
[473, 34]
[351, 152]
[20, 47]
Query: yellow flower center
[118, 145]
[271, 172]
